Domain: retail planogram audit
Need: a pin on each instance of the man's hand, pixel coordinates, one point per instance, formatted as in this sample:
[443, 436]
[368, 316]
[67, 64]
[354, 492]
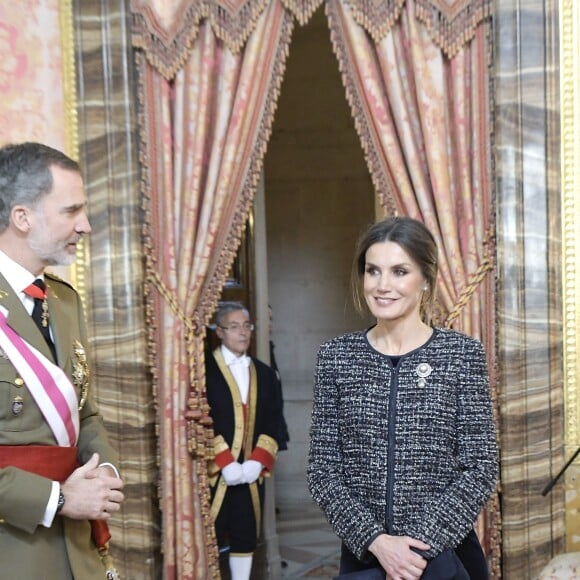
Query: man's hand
[91, 493]
[233, 474]
[252, 470]
[396, 557]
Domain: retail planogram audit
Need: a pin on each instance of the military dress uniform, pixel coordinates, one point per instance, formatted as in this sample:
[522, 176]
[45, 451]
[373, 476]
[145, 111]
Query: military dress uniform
[241, 432]
[65, 550]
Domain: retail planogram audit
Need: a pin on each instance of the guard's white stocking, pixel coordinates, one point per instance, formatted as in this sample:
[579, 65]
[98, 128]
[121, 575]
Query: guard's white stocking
[241, 566]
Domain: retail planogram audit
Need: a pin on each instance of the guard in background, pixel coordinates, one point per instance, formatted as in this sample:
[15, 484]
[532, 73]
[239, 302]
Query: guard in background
[241, 394]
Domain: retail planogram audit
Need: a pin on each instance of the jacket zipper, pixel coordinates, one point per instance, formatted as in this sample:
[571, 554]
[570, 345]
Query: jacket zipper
[391, 446]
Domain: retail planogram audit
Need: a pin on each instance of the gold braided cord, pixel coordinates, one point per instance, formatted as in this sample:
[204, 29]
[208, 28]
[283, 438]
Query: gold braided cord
[155, 278]
[475, 280]
[199, 431]
[197, 414]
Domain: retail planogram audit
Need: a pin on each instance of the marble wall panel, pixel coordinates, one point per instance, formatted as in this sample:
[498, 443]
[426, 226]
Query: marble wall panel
[114, 273]
[527, 164]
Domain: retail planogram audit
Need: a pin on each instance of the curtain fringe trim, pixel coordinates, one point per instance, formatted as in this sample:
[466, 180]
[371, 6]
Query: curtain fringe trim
[450, 30]
[378, 177]
[302, 9]
[210, 295]
[198, 429]
[168, 56]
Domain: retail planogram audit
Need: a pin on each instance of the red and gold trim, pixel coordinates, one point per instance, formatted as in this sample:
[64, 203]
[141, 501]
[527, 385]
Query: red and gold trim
[265, 451]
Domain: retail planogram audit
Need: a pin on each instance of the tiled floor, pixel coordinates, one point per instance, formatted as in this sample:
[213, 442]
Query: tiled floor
[308, 546]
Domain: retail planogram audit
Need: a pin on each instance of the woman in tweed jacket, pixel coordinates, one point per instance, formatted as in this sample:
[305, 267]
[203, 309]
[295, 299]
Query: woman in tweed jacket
[403, 449]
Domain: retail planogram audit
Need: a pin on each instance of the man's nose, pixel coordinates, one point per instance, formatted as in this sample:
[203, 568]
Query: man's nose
[83, 225]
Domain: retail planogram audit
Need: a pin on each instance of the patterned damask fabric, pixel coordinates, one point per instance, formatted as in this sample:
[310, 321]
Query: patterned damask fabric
[31, 74]
[167, 30]
[202, 143]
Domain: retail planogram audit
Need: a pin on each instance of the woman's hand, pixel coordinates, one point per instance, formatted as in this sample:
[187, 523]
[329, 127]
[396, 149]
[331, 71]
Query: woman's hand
[396, 557]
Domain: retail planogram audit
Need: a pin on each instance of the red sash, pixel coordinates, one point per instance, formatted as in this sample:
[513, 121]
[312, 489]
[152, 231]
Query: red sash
[55, 463]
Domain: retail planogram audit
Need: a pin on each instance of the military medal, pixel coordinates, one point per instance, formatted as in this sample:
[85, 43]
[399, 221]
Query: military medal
[17, 404]
[44, 314]
[81, 372]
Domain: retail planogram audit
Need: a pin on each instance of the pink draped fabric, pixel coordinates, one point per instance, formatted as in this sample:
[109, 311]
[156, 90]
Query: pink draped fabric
[203, 138]
[424, 123]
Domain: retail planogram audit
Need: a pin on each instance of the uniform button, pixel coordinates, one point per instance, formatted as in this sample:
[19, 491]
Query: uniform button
[18, 382]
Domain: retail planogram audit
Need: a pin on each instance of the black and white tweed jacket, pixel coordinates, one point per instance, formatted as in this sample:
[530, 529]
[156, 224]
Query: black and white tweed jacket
[426, 441]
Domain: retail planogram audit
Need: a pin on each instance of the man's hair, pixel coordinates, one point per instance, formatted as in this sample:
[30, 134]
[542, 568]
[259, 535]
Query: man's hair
[25, 175]
[224, 308]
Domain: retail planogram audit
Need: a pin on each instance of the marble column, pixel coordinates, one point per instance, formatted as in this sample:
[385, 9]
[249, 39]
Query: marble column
[114, 273]
[527, 180]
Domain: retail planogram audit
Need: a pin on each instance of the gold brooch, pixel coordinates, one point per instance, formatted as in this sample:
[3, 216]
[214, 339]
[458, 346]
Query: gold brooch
[81, 372]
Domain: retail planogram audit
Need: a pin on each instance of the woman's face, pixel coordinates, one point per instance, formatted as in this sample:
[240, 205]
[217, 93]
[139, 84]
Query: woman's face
[393, 283]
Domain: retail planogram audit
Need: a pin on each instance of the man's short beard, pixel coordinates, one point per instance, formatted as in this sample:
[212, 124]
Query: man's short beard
[54, 258]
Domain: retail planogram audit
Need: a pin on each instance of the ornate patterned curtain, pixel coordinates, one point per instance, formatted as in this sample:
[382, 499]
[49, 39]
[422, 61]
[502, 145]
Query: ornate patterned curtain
[416, 76]
[207, 99]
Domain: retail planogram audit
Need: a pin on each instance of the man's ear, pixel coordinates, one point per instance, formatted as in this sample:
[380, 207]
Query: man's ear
[20, 217]
[219, 332]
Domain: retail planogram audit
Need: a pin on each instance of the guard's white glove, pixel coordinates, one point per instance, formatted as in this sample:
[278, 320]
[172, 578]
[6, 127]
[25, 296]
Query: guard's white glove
[252, 470]
[233, 474]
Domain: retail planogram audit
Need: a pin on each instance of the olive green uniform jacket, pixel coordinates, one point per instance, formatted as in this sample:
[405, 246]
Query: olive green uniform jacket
[27, 549]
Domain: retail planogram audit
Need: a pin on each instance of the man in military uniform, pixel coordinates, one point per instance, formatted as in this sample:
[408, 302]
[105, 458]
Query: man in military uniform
[56, 467]
[240, 392]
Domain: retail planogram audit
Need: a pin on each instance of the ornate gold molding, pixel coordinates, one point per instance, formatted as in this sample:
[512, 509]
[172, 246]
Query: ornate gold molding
[77, 270]
[570, 187]
[570, 152]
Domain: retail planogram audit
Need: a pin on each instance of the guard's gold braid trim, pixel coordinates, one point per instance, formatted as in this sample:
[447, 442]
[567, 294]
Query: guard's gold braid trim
[475, 280]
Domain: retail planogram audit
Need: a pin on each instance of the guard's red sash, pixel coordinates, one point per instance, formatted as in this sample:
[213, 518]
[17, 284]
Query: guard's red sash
[55, 463]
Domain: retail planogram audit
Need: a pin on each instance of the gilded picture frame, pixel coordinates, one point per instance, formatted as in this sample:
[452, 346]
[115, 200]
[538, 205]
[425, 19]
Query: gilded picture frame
[570, 192]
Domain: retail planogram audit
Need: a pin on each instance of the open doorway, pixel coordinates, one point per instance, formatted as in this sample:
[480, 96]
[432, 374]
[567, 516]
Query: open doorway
[318, 198]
